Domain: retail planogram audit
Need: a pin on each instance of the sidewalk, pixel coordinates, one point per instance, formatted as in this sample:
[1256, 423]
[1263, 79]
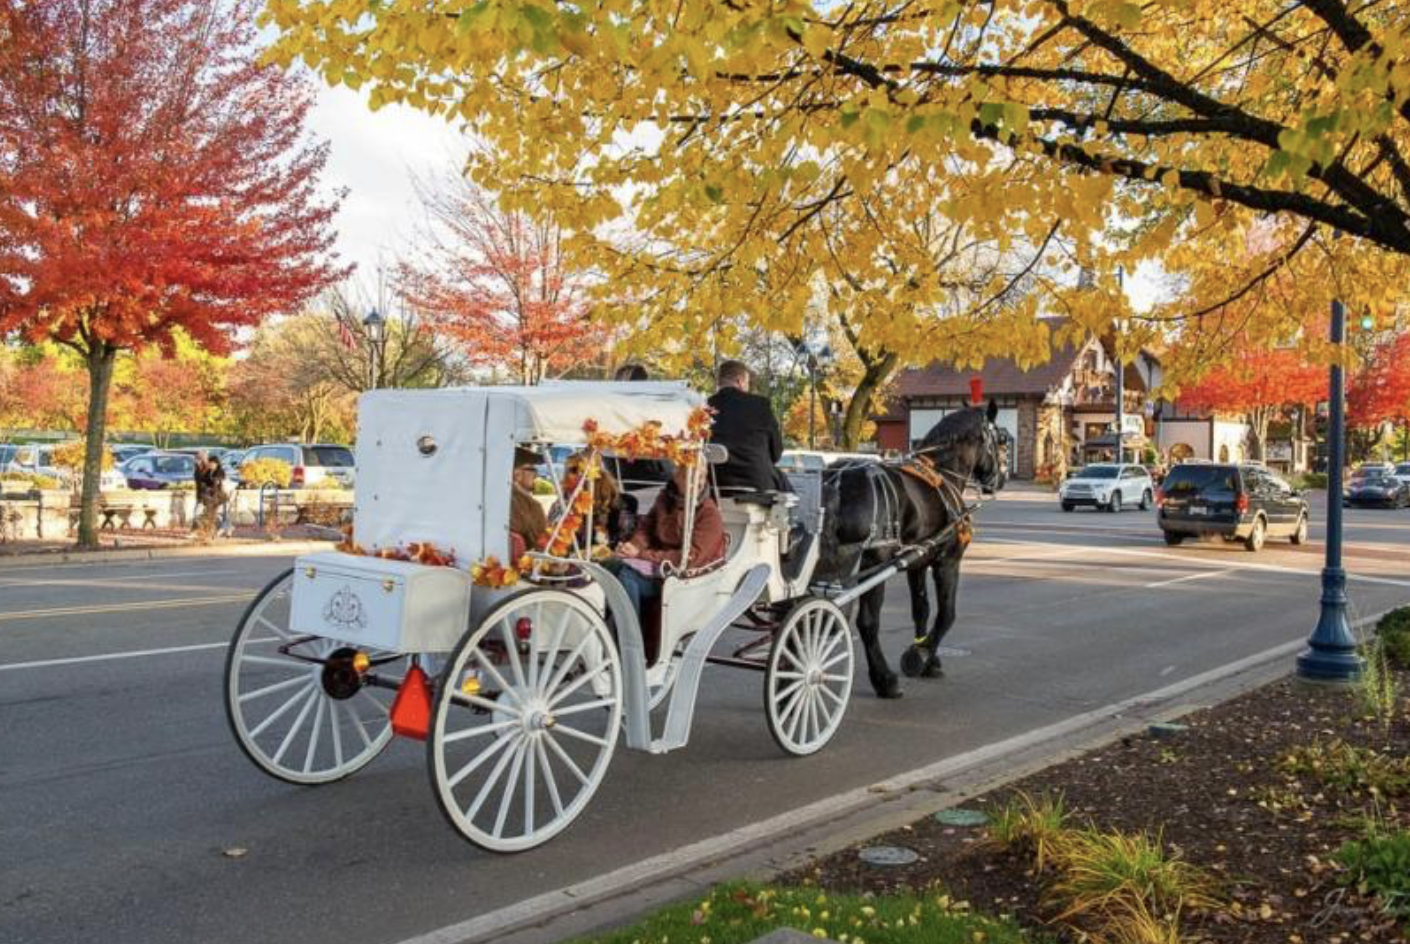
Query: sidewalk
[133, 544]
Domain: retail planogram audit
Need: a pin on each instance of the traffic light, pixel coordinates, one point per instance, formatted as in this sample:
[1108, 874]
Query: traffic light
[1368, 322]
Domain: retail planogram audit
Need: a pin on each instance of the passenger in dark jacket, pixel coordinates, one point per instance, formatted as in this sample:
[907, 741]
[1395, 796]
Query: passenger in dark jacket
[745, 425]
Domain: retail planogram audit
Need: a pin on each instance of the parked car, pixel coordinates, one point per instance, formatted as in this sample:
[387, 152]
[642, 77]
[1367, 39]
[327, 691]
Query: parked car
[124, 451]
[230, 461]
[309, 464]
[32, 459]
[1376, 487]
[1402, 472]
[1109, 485]
[154, 470]
[1236, 502]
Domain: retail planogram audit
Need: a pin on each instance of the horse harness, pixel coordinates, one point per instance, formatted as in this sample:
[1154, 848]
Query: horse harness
[923, 469]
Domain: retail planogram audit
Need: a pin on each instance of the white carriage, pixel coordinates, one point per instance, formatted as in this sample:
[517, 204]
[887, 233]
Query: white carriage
[528, 687]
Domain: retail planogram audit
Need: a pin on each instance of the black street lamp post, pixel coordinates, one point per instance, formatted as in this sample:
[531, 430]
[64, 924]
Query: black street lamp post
[376, 327]
[1331, 649]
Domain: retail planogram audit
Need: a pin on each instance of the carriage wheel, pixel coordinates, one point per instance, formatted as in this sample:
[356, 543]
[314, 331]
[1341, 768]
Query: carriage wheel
[809, 677]
[526, 719]
[296, 705]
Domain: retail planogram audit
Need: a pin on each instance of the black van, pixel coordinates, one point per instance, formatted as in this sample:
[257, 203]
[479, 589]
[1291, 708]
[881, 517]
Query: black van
[1238, 502]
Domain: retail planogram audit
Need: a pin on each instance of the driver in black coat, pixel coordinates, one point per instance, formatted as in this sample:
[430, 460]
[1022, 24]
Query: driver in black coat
[745, 425]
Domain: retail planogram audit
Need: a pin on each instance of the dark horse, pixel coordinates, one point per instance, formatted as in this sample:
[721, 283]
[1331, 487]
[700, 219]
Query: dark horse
[878, 513]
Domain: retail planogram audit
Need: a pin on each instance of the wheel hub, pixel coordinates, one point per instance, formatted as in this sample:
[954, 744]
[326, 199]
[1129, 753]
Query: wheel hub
[815, 677]
[340, 677]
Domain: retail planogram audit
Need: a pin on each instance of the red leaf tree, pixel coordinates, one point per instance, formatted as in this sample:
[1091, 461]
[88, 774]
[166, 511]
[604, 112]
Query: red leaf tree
[498, 285]
[1258, 383]
[1380, 391]
[153, 176]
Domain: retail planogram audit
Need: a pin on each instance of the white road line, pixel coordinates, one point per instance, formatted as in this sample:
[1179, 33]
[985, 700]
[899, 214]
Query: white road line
[1198, 562]
[1188, 577]
[76, 582]
[98, 608]
[110, 656]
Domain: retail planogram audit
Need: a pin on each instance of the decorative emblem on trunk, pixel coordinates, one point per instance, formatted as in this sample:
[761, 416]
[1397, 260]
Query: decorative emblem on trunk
[345, 610]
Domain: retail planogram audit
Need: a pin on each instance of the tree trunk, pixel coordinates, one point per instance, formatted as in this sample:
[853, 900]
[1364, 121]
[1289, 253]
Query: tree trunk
[876, 374]
[100, 378]
[1258, 431]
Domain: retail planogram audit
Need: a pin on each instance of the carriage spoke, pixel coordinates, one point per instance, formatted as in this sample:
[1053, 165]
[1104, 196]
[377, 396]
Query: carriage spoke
[298, 723]
[783, 693]
[585, 706]
[474, 764]
[511, 647]
[382, 707]
[293, 665]
[530, 769]
[313, 736]
[840, 657]
[488, 704]
[796, 712]
[828, 677]
[532, 659]
[466, 733]
[549, 780]
[281, 710]
[836, 698]
[493, 779]
[836, 640]
[507, 797]
[337, 733]
[579, 682]
[361, 730]
[789, 675]
[563, 756]
[483, 660]
[276, 630]
[550, 658]
[568, 663]
[580, 735]
[304, 679]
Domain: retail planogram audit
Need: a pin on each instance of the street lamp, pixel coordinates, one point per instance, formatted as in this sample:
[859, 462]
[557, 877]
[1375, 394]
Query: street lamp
[1120, 381]
[1331, 649]
[376, 328]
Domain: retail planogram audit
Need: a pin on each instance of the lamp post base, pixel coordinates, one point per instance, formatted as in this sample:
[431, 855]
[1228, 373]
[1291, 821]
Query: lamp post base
[1331, 656]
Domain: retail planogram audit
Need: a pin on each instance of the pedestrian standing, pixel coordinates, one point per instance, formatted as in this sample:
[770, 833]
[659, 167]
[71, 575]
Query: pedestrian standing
[210, 492]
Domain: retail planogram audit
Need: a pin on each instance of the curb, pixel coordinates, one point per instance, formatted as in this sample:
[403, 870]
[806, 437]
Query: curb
[789, 840]
[251, 549]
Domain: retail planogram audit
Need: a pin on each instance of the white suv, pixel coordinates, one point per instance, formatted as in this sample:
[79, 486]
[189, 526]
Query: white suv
[1108, 485]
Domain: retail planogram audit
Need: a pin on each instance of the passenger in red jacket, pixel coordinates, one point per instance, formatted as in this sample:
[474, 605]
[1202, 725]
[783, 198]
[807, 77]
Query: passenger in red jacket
[660, 536]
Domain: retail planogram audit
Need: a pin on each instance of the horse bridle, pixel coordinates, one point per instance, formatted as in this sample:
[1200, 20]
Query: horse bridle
[953, 479]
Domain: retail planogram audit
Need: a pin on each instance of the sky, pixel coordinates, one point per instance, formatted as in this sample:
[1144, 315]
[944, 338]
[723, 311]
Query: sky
[374, 156]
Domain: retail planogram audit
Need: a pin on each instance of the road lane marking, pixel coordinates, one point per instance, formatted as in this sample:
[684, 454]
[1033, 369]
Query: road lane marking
[174, 603]
[110, 656]
[1199, 576]
[1205, 563]
[115, 585]
[60, 582]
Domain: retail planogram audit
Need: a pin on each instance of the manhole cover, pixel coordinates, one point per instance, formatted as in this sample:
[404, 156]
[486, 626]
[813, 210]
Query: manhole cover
[962, 817]
[888, 855]
[952, 652]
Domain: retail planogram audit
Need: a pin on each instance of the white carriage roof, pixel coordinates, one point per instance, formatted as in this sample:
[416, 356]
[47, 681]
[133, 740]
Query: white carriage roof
[554, 412]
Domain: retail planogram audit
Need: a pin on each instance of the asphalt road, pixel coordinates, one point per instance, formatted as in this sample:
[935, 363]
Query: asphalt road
[121, 788]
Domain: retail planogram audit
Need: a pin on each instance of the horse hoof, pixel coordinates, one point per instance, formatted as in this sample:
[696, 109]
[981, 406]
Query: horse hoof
[932, 669]
[890, 687]
[914, 661]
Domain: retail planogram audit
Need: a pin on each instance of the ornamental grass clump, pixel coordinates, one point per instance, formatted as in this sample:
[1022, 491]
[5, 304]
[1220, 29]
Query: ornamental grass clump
[1033, 826]
[1128, 886]
[1377, 691]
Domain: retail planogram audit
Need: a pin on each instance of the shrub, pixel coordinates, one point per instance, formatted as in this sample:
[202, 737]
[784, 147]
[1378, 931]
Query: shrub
[69, 455]
[1352, 769]
[1376, 689]
[1314, 480]
[1128, 879]
[1036, 826]
[1394, 632]
[1379, 864]
[258, 472]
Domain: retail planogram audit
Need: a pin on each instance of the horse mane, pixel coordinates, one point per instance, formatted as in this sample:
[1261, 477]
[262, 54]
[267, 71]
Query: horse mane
[961, 424]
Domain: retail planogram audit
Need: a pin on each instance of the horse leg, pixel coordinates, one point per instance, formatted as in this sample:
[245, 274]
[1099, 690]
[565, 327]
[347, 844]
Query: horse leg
[946, 574]
[915, 658]
[883, 680]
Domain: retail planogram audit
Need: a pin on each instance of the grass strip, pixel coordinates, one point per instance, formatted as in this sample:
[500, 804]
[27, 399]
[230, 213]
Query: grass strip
[736, 913]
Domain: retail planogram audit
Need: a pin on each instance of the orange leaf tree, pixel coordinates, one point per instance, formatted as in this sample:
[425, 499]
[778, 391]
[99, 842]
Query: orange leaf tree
[498, 284]
[1380, 391]
[153, 176]
[1257, 383]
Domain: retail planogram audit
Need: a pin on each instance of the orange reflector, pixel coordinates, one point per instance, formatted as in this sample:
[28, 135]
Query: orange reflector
[362, 662]
[411, 712]
[471, 684]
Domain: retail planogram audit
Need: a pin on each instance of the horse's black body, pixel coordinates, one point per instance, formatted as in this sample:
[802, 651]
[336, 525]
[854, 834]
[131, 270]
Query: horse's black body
[876, 511]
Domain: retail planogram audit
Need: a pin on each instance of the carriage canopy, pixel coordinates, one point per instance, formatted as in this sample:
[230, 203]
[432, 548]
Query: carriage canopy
[434, 465]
